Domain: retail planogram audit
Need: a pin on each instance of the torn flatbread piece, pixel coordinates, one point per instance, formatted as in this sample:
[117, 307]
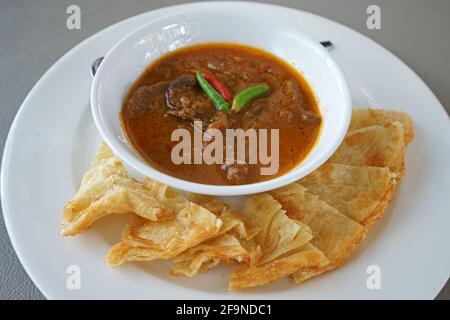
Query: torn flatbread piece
[233, 242]
[303, 258]
[231, 218]
[206, 255]
[145, 240]
[278, 234]
[106, 189]
[336, 235]
[176, 202]
[284, 244]
[361, 193]
[362, 118]
[304, 274]
[375, 146]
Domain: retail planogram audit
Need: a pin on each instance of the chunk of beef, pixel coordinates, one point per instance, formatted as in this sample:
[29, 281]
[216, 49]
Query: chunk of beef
[147, 97]
[187, 100]
[283, 105]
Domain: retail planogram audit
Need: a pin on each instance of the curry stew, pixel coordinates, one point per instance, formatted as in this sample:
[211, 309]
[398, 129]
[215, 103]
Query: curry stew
[169, 96]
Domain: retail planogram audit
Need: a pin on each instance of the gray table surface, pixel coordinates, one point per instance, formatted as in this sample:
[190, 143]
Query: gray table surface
[33, 35]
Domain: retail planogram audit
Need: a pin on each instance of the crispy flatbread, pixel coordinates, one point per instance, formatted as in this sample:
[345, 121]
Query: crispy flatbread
[304, 274]
[278, 234]
[209, 254]
[335, 234]
[303, 258]
[284, 244]
[300, 230]
[233, 242]
[232, 221]
[106, 189]
[362, 118]
[145, 240]
[376, 146]
[361, 193]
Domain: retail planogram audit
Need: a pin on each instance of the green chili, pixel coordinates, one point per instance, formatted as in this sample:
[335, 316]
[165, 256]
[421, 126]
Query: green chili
[246, 96]
[216, 98]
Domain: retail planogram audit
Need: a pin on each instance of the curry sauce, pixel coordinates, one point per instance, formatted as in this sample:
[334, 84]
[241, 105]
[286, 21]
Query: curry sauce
[167, 97]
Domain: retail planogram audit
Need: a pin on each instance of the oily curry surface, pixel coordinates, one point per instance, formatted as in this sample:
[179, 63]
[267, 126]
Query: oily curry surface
[168, 97]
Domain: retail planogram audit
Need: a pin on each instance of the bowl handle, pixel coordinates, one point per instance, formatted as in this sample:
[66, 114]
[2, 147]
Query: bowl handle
[95, 65]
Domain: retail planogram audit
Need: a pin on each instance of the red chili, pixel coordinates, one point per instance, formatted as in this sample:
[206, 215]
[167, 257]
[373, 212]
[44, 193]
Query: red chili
[218, 85]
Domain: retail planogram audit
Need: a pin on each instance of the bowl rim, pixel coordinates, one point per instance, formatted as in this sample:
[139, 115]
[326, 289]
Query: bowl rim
[293, 175]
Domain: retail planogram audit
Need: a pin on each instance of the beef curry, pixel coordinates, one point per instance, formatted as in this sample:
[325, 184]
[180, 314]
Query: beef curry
[225, 86]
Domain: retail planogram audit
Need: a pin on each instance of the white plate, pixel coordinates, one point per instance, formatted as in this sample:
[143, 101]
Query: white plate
[53, 139]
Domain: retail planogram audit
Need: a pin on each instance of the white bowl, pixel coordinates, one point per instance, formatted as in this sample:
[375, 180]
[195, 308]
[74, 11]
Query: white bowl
[126, 61]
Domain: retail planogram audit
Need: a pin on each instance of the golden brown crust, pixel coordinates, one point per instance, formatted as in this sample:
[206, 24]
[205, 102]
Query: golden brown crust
[305, 274]
[248, 277]
[355, 191]
[378, 212]
[375, 146]
[284, 244]
[278, 233]
[145, 240]
[106, 189]
[367, 117]
[232, 220]
[204, 256]
[233, 242]
[334, 234]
